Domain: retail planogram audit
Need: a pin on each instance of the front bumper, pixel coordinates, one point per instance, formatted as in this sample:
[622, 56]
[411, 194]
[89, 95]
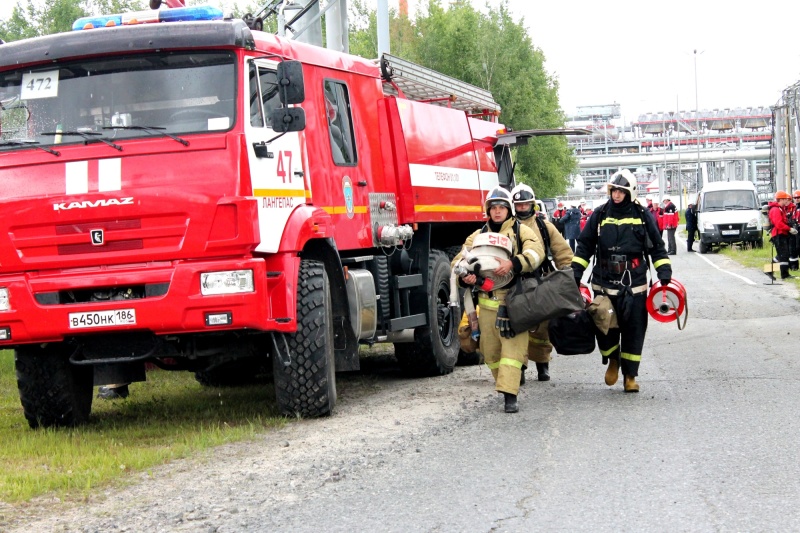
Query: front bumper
[716, 236]
[177, 308]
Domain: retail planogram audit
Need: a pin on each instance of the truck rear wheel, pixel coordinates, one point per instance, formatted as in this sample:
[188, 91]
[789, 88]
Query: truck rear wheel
[434, 351]
[307, 386]
[53, 391]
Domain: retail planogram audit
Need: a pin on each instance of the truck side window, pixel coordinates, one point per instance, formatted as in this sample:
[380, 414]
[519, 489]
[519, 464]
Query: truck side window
[340, 123]
[256, 114]
[269, 91]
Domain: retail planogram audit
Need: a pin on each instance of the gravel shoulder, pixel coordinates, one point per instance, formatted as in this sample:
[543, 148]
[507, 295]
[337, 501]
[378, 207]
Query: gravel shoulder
[379, 414]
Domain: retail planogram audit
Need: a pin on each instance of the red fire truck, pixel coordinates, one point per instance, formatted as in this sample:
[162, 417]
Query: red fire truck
[205, 197]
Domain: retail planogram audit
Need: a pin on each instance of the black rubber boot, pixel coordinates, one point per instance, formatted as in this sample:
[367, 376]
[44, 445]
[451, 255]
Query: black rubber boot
[112, 393]
[522, 376]
[544, 371]
[511, 402]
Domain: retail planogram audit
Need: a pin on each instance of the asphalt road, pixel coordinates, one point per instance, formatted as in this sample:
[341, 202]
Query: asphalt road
[709, 444]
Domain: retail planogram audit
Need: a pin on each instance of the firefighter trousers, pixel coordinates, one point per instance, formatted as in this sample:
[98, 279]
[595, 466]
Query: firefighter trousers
[539, 347]
[504, 357]
[625, 343]
[781, 243]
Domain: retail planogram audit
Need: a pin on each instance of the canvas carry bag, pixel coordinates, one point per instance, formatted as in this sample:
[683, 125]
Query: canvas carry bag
[531, 301]
[573, 334]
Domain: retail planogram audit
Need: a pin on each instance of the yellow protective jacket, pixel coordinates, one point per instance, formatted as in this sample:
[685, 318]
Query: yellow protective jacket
[526, 260]
[562, 253]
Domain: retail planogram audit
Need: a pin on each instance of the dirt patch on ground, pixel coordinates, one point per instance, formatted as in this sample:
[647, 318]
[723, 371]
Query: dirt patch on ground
[379, 412]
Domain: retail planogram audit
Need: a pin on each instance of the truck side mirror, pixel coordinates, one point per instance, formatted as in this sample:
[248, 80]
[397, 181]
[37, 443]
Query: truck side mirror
[285, 119]
[290, 82]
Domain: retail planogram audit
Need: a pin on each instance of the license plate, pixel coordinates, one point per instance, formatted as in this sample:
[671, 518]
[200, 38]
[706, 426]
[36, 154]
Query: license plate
[102, 319]
[730, 232]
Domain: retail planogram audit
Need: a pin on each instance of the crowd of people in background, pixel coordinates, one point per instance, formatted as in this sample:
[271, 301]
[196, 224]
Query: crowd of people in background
[784, 215]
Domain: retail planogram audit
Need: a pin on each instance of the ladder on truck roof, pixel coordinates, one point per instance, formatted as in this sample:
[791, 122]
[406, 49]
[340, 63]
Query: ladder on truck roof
[408, 80]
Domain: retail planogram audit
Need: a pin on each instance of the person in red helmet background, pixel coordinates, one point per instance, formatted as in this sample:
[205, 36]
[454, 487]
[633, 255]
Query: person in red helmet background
[671, 219]
[781, 231]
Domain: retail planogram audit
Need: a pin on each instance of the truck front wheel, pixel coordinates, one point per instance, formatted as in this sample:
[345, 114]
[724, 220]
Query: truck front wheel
[435, 348]
[306, 387]
[53, 391]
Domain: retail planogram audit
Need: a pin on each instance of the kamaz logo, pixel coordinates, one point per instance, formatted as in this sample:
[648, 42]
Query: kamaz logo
[64, 206]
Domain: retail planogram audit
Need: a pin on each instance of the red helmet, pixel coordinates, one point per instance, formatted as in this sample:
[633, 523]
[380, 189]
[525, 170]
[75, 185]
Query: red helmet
[780, 195]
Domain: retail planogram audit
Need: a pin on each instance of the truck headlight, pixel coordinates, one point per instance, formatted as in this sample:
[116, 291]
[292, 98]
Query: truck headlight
[708, 225]
[752, 223]
[5, 305]
[226, 282]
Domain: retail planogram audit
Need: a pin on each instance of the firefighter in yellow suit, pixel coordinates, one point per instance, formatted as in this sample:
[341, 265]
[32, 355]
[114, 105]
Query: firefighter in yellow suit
[504, 352]
[539, 347]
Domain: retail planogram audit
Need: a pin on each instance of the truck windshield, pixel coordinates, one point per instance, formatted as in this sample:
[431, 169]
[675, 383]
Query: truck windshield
[722, 200]
[142, 95]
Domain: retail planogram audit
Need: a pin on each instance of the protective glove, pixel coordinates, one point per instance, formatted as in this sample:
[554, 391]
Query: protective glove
[793, 231]
[665, 277]
[503, 323]
[578, 274]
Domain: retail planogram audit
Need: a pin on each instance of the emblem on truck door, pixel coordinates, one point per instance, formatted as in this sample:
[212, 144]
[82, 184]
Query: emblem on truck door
[347, 189]
[97, 237]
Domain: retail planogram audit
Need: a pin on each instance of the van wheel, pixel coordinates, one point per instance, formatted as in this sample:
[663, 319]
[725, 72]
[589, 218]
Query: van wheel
[307, 386]
[759, 243]
[53, 391]
[434, 351]
[704, 248]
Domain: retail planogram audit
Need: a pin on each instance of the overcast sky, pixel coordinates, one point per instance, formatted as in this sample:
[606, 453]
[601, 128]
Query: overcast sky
[640, 55]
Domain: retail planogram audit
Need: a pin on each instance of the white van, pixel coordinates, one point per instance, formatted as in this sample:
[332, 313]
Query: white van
[728, 212]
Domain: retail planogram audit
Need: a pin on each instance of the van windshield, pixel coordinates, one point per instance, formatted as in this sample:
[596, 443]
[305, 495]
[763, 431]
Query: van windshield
[728, 200]
[116, 98]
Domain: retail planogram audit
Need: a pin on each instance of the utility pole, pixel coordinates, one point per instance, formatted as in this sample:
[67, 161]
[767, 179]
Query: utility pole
[697, 123]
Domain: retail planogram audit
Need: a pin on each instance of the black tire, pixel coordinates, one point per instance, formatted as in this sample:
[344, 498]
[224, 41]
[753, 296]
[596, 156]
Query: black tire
[704, 248]
[434, 351]
[53, 392]
[307, 387]
[452, 252]
[758, 243]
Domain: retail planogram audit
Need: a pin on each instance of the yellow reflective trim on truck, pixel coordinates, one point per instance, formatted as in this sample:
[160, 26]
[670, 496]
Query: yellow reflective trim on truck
[282, 192]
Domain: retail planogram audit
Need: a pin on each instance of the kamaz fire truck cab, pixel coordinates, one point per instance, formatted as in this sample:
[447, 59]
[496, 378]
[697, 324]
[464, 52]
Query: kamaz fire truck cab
[209, 198]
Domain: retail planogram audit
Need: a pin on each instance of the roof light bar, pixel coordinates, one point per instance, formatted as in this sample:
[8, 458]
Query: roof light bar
[178, 14]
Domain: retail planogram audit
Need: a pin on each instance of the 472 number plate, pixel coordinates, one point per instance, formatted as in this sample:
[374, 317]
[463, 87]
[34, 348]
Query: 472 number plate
[100, 319]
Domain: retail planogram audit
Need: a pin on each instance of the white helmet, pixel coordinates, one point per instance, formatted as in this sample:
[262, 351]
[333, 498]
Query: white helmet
[523, 194]
[498, 196]
[624, 180]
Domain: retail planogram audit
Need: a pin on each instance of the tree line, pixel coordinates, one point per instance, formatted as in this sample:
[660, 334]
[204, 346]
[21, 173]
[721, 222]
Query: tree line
[487, 48]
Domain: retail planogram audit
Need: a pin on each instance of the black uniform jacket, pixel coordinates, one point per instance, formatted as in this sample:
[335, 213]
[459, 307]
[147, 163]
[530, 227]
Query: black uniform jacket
[627, 236]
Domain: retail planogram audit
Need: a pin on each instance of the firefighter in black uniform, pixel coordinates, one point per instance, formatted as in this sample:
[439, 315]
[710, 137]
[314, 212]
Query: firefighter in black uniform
[622, 236]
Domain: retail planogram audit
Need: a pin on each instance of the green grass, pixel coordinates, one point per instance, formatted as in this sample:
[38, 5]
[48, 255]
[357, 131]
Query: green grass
[754, 257]
[168, 417]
